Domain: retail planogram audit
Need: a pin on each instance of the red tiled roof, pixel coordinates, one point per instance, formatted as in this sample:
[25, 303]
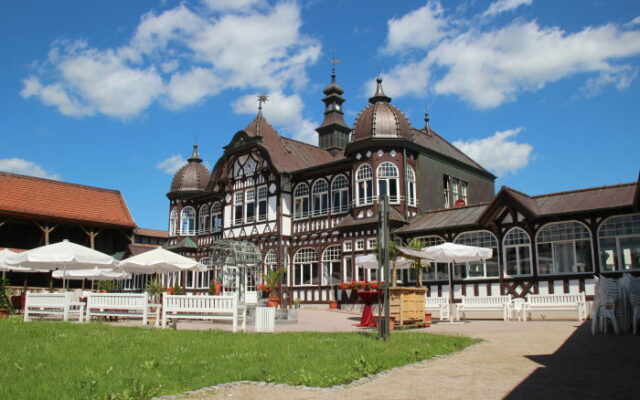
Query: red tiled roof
[152, 233]
[38, 197]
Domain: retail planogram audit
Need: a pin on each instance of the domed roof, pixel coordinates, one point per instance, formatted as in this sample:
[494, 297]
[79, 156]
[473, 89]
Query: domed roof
[380, 119]
[192, 177]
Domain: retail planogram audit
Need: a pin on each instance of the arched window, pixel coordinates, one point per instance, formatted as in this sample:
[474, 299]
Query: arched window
[203, 219]
[564, 248]
[480, 269]
[320, 198]
[619, 239]
[305, 268]
[437, 271]
[340, 195]
[270, 260]
[411, 187]
[331, 266]
[188, 221]
[216, 217]
[517, 252]
[301, 201]
[364, 185]
[387, 174]
[173, 222]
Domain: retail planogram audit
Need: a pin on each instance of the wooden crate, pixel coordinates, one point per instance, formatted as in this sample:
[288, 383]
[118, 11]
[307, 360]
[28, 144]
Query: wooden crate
[407, 305]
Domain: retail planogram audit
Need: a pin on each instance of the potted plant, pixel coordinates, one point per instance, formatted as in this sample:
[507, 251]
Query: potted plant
[5, 302]
[177, 289]
[107, 286]
[296, 302]
[155, 289]
[270, 284]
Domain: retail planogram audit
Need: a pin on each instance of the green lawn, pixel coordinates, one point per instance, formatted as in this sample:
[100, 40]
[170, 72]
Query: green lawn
[56, 360]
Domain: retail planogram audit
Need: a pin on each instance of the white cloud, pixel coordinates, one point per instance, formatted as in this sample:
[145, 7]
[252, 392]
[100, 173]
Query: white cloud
[418, 29]
[488, 66]
[635, 21]
[282, 111]
[177, 58]
[501, 6]
[498, 153]
[172, 164]
[234, 5]
[24, 167]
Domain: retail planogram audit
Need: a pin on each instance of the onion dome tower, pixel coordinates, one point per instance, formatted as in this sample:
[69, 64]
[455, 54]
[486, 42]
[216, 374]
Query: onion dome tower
[381, 120]
[192, 177]
[333, 132]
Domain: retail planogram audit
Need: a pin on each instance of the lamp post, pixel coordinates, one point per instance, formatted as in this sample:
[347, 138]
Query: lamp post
[384, 330]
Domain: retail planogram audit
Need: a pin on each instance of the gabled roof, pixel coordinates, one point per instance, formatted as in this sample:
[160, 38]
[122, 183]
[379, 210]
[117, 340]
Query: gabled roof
[589, 199]
[350, 221]
[429, 139]
[287, 154]
[48, 199]
[446, 218]
[186, 243]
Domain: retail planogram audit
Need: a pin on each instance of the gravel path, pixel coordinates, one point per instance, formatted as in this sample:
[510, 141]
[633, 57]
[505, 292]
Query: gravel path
[539, 359]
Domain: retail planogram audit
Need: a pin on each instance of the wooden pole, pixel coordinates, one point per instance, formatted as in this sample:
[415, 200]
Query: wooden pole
[384, 332]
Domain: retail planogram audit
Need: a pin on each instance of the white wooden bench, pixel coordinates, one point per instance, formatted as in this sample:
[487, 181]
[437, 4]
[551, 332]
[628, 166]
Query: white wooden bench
[484, 303]
[59, 304]
[126, 305]
[440, 304]
[557, 302]
[224, 307]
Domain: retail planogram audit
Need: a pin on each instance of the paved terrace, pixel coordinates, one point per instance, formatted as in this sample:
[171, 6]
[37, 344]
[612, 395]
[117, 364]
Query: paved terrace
[549, 359]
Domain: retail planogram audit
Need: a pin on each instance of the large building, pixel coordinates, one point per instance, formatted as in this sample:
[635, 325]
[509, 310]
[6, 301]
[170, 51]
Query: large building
[313, 209]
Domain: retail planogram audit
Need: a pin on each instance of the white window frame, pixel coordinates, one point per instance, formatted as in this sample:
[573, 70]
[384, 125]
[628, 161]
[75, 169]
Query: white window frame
[387, 173]
[340, 188]
[262, 197]
[427, 241]
[364, 180]
[250, 199]
[516, 246]
[563, 241]
[238, 201]
[467, 265]
[300, 197]
[203, 219]
[174, 221]
[371, 243]
[348, 245]
[188, 215]
[331, 260]
[359, 246]
[631, 229]
[412, 199]
[320, 192]
[216, 217]
[306, 259]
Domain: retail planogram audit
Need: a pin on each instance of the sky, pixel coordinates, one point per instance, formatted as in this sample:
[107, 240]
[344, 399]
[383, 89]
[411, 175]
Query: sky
[113, 94]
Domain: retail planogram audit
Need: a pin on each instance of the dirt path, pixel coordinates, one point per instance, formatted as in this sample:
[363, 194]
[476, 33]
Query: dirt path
[502, 366]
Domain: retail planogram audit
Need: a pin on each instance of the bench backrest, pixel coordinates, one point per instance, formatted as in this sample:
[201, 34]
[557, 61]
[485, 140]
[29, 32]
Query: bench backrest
[200, 303]
[436, 301]
[551, 299]
[58, 300]
[485, 300]
[115, 300]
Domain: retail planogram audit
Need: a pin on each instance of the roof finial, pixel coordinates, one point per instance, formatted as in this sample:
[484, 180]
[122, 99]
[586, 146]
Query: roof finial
[379, 96]
[262, 98]
[195, 157]
[333, 62]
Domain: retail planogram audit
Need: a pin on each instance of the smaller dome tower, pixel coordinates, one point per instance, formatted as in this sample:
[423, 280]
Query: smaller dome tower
[192, 177]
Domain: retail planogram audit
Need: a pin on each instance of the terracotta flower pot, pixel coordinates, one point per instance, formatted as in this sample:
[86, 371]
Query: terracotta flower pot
[333, 304]
[218, 288]
[273, 301]
[4, 313]
[392, 321]
[427, 319]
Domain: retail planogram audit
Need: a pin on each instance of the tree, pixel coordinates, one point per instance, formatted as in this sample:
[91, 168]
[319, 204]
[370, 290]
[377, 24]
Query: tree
[416, 243]
[394, 253]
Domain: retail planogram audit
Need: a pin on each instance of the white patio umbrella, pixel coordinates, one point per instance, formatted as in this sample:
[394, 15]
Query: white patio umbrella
[455, 253]
[160, 261]
[6, 254]
[63, 255]
[95, 274]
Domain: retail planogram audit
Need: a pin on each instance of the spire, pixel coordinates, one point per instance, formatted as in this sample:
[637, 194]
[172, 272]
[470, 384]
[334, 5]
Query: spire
[379, 96]
[333, 132]
[194, 155]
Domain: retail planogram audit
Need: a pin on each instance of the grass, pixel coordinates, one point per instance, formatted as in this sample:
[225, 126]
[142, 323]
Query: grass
[46, 360]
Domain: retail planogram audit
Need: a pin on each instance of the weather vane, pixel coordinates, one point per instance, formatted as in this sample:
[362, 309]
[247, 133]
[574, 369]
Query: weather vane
[333, 62]
[262, 98]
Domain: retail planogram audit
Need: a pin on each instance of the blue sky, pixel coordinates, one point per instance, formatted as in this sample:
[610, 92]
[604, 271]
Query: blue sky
[113, 94]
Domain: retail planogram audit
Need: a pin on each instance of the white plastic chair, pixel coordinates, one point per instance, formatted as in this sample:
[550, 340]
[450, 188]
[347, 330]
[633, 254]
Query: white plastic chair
[634, 300]
[517, 306]
[604, 306]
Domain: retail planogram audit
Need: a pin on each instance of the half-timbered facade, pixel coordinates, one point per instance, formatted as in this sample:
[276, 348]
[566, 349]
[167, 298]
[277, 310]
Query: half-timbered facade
[313, 209]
